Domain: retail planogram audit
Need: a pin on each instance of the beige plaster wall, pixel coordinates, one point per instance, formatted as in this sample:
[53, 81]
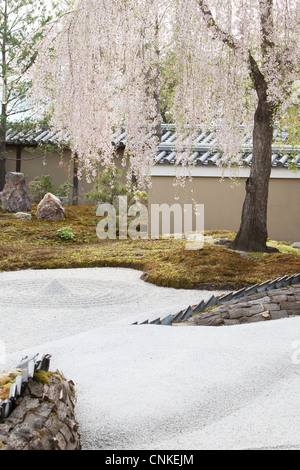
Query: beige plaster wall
[223, 202]
[34, 163]
[58, 165]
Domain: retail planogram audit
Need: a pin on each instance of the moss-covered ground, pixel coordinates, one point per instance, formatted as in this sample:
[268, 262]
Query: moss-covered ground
[35, 244]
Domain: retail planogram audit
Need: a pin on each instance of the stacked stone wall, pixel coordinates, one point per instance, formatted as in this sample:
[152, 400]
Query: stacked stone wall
[270, 305]
[43, 418]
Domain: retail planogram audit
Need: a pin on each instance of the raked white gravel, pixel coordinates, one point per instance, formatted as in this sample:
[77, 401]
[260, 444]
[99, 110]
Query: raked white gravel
[154, 387]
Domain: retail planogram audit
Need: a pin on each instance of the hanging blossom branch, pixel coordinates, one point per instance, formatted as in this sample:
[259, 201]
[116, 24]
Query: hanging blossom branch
[233, 44]
[218, 32]
[98, 70]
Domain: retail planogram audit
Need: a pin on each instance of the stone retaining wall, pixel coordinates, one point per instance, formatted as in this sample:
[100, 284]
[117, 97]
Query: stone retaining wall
[43, 417]
[270, 305]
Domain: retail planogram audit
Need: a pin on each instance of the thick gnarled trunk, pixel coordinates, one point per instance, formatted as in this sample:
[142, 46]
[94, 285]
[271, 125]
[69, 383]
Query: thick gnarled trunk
[252, 235]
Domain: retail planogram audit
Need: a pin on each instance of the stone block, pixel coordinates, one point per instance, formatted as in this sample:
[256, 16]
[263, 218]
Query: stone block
[277, 314]
[207, 319]
[237, 312]
[278, 298]
[272, 307]
[292, 307]
[231, 322]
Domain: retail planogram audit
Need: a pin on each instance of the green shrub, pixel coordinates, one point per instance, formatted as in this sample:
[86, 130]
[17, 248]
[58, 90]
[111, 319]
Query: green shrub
[65, 233]
[43, 185]
[39, 187]
[108, 187]
[63, 190]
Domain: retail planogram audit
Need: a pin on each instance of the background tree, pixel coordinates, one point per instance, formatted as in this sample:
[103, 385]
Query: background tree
[22, 24]
[234, 63]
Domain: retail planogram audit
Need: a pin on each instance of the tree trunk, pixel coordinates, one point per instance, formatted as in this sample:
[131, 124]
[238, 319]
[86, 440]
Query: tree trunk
[75, 180]
[2, 157]
[252, 235]
[2, 173]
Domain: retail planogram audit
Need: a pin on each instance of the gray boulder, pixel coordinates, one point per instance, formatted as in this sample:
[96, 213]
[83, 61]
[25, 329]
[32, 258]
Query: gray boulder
[14, 197]
[50, 208]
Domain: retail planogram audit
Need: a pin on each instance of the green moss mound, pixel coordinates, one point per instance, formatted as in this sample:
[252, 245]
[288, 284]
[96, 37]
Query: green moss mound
[35, 245]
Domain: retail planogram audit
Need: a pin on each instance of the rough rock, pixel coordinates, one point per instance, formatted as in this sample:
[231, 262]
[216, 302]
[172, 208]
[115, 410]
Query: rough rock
[50, 208]
[14, 196]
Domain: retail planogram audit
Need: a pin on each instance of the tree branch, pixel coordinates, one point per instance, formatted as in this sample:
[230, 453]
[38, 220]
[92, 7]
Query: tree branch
[266, 22]
[226, 38]
[258, 79]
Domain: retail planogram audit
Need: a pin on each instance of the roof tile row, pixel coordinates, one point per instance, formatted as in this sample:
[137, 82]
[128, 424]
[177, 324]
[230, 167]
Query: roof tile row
[203, 149]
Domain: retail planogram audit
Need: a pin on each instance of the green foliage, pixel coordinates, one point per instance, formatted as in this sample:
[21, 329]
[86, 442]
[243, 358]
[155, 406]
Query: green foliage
[63, 190]
[163, 262]
[65, 233]
[22, 24]
[39, 187]
[108, 187]
[43, 185]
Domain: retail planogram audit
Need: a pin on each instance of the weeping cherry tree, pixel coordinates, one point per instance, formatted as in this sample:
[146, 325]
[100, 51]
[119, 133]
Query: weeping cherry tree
[234, 66]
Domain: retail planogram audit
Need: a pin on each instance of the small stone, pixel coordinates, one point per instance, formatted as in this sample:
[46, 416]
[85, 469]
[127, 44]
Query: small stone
[296, 245]
[23, 216]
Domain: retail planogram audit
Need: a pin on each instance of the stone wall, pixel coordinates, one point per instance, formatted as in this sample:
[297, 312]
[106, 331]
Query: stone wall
[270, 305]
[43, 417]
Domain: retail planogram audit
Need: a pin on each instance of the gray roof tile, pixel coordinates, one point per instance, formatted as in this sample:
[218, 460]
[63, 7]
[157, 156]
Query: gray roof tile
[203, 151]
